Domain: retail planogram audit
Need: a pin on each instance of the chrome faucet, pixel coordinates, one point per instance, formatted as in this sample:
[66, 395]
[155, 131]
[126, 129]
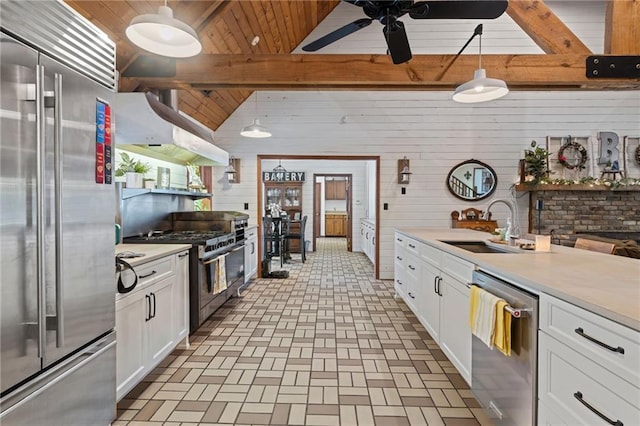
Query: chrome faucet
[511, 228]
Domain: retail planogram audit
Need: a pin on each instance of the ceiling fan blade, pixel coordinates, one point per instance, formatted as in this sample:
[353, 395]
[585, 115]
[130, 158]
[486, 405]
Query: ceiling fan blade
[460, 9]
[397, 42]
[337, 34]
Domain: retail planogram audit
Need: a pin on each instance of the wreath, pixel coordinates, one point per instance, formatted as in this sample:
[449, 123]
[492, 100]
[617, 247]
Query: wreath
[575, 146]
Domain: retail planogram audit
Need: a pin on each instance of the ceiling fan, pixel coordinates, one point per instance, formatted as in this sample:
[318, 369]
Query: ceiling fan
[388, 12]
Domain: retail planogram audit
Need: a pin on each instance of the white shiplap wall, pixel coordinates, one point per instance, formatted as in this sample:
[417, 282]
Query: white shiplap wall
[431, 130]
[434, 132]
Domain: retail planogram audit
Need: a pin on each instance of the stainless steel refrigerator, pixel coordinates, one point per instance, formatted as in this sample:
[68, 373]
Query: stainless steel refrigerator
[57, 309]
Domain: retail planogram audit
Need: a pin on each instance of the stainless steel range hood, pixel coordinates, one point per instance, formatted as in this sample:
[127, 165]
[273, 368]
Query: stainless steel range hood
[143, 124]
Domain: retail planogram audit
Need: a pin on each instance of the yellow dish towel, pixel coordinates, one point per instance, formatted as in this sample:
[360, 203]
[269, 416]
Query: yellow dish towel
[502, 332]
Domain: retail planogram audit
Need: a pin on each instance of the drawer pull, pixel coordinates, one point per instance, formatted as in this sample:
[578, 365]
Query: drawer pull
[412, 246]
[581, 332]
[412, 268]
[578, 396]
[411, 295]
[183, 255]
[399, 282]
[149, 274]
[399, 239]
[399, 258]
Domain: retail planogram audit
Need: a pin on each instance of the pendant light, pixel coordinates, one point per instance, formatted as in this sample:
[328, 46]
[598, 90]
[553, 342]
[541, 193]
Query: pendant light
[481, 88]
[255, 130]
[163, 35]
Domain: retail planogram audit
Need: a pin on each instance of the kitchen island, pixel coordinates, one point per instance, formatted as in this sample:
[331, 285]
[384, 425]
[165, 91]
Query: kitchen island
[575, 349]
[603, 284]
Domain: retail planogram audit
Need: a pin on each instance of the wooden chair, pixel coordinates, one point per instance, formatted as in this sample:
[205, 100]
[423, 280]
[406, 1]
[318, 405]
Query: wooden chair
[599, 246]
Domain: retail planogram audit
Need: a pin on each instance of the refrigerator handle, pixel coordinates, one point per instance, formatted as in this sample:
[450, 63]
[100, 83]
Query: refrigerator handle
[40, 156]
[57, 145]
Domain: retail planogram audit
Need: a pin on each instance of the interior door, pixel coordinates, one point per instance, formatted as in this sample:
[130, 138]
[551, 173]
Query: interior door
[348, 219]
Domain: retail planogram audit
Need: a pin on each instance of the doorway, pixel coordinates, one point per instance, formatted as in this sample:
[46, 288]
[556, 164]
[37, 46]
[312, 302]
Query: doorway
[332, 207]
[364, 191]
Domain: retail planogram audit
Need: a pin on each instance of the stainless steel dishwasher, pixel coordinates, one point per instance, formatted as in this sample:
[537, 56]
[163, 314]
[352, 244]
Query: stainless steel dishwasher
[506, 386]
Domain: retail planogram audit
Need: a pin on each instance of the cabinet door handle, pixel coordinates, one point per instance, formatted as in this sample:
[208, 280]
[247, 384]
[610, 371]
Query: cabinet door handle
[154, 306]
[435, 284]
[581, 332]
[578, 396]
[412, 268]
[362, 232]
[367, 235]
[411, 295]
[148, 275]
[148, 314]
[183, 255]
[399, 282]
[439, 281]
[373, 241]
[253, 247]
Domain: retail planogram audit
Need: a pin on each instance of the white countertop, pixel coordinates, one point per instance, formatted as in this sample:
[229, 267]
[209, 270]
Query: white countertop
[605, 284]
[150, 251]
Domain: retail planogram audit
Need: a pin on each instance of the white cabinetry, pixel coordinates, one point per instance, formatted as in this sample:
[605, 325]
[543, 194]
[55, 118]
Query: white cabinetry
[589, 367]
[368, 238]
[439, 282]
[151, 319]
[250, 253]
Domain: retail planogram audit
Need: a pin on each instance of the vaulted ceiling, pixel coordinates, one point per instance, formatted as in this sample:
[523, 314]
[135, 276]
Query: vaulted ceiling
[213, 84]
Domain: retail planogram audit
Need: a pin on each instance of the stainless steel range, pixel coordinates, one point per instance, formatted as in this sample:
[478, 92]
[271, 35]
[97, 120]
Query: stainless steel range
[208, 289]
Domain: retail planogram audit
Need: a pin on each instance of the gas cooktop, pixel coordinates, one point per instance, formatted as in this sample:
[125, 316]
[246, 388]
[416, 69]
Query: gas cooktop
[183, 237]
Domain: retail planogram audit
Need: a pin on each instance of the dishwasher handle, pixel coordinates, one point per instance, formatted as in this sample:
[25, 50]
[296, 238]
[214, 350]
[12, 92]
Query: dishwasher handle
[515, 312]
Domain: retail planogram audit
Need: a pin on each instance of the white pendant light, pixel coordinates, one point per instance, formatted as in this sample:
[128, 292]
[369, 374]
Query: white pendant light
[255, 130]
[163, 35]
[481, 88]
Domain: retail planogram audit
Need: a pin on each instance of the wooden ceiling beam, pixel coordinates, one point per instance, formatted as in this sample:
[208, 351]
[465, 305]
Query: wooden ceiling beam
[548, 31]
[368, 72]
[622, 27]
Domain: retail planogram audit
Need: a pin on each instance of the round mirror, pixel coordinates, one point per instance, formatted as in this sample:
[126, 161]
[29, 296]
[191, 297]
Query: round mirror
[472, 180]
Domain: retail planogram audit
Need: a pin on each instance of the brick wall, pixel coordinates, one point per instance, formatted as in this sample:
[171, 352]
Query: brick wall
[574, 212]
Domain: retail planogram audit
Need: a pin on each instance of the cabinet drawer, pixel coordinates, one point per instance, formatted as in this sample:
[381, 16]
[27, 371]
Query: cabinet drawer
[567, 378]
[413, 246]
[457, 268]
[431, 254]
[566, 322]
[400, 240]
[149, 273]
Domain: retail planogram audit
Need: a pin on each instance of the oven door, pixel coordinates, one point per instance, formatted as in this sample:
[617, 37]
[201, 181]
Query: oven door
[235, 266]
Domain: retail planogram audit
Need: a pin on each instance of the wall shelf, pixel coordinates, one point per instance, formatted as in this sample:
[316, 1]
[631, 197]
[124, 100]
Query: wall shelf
[574, 187]
[135, 192]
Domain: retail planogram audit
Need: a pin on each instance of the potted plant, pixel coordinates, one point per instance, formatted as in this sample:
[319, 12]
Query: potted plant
[132, 169]
[535, 163]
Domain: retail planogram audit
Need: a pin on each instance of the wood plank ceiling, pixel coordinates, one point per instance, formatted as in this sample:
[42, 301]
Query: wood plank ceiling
[213, 84]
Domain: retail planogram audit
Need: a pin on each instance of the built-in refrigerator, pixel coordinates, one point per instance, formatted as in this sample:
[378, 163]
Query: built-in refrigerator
[57, 305]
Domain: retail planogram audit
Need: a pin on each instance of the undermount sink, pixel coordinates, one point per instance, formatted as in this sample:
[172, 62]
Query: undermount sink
[476, 246]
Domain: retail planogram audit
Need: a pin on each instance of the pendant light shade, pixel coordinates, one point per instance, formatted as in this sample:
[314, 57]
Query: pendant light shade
[163, 35]
[481, 88]
[255, 130]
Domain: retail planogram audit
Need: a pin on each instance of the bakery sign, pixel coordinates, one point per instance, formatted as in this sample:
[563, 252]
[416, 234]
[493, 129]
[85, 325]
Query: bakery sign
[282, 176]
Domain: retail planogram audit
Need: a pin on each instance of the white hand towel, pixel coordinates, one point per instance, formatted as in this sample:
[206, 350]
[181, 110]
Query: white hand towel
[484, 320]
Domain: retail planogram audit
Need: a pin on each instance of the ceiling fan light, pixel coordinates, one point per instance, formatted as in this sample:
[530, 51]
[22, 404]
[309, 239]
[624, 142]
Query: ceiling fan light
[163, 35]
[480, 89]
[255, 130]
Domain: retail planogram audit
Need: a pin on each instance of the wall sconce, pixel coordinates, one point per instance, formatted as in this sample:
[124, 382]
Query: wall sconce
[404, 174]
[232, 171]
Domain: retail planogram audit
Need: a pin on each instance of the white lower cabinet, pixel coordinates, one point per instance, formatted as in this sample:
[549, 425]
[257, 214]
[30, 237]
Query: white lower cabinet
[368, 239]
[441, 303]
[589, 367]
[150, 320]
[250, 253]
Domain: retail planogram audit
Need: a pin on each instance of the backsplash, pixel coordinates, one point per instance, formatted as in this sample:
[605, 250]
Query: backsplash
[575, 212]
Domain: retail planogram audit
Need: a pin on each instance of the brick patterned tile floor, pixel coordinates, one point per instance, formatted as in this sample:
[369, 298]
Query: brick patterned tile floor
[327, 346]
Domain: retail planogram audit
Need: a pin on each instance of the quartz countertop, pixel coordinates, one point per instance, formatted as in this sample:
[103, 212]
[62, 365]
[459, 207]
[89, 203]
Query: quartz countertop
[150, 251]
[605, 284]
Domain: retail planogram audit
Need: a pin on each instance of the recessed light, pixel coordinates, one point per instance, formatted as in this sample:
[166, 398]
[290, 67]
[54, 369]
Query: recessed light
[255, 41]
